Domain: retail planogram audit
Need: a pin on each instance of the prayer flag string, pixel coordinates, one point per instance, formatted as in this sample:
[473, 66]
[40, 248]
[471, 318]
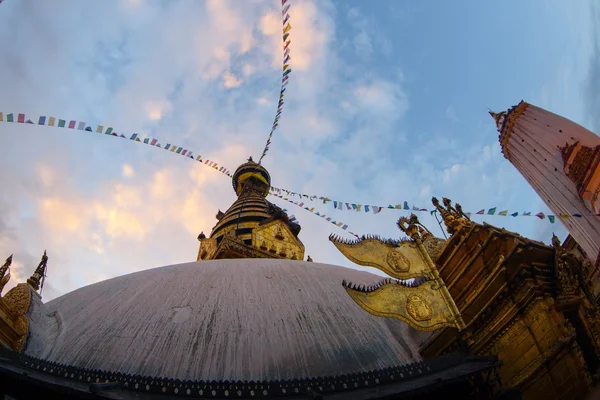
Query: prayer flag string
[275, 191]
[82, 126]
[286, 71]
[405, 206]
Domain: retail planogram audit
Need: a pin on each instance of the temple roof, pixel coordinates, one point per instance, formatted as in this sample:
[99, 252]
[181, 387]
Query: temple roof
[239, 319]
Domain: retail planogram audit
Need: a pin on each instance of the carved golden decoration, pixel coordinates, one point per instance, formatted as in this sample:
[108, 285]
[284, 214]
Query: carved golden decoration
[453, 217]
[15, 305]
[418, 308]
[18, 299]
[400, 260]
[278, 239]
[423, 307]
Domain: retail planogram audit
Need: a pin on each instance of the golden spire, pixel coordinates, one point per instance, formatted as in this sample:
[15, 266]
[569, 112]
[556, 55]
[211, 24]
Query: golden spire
[39, 274]
[5, 273]
[454, 217]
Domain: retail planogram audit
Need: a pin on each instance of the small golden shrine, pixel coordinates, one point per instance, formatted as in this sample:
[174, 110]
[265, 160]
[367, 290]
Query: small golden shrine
[14, 305]
[492, 292]
[252, 227]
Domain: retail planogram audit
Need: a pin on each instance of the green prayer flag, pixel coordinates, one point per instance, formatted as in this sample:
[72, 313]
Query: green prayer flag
[551, 218]
[9, 118]
[61, 123]
[492, 211]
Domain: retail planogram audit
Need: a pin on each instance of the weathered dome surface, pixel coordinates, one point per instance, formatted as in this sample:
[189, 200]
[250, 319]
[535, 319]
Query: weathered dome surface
[241, 319]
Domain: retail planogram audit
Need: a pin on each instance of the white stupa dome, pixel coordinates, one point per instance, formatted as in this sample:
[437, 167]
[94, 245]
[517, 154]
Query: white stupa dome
[236, 319]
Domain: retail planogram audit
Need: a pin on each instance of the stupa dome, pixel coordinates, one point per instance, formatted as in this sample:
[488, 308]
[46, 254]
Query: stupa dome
[233, 319]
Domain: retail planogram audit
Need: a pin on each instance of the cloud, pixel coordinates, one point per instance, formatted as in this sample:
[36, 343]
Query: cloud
[230, 80]
[206, 76]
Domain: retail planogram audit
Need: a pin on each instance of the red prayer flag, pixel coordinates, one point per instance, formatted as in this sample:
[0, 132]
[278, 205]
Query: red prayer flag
[72, 125]
[287, 44]
[183, 152]
[21, 118]
[153, 142]
[480, 212]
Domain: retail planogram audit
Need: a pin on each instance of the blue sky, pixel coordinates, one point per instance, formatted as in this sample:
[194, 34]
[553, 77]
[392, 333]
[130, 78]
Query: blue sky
[387, 102]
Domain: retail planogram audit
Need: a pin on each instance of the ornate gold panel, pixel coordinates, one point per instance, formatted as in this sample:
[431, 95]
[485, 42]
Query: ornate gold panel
[15, 305]
[402, 261]
[276, 238]
[423, 307]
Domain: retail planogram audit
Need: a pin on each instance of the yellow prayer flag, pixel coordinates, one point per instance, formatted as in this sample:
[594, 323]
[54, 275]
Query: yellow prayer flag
[1, 117]
[565, 216]
[287, 28]
[173, 148]
[99, 129]
[286, 66]
[358, 207]
[51, 121]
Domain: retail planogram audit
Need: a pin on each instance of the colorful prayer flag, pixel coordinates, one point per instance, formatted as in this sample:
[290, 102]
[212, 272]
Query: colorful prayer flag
[376, 209]
[99, 129]
[108, 131]
[540, 215]
[551, 218]
[514, 214]
[480, 212]
[183, 152]
[146, 140]
[133, 136]
[153, 142]
[287, 28]
[503, 213]
[21, 118]
[81, 126]
[72, 124]
[366, 208]
[41, 121]
[406, 207]
[1, 117]
[9, 117]
[492, 211]
[61, 123]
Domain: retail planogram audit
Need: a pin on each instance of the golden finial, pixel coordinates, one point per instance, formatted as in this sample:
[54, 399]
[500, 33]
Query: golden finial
[454, 217]
[309, 259]
[413, 228]
[39, 274]
[5, 273]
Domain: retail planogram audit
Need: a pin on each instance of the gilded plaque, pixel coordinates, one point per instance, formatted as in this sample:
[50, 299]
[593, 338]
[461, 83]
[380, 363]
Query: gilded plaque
[398, 261]
[418, 308]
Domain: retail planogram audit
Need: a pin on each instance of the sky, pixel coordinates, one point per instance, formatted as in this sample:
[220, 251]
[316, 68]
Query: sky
[387, 103]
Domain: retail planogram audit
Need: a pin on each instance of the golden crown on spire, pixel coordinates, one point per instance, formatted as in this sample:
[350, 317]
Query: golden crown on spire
[453, 216]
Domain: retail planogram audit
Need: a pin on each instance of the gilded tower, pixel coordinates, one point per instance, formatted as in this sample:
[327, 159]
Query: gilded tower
[560, 160]
[252, 227]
